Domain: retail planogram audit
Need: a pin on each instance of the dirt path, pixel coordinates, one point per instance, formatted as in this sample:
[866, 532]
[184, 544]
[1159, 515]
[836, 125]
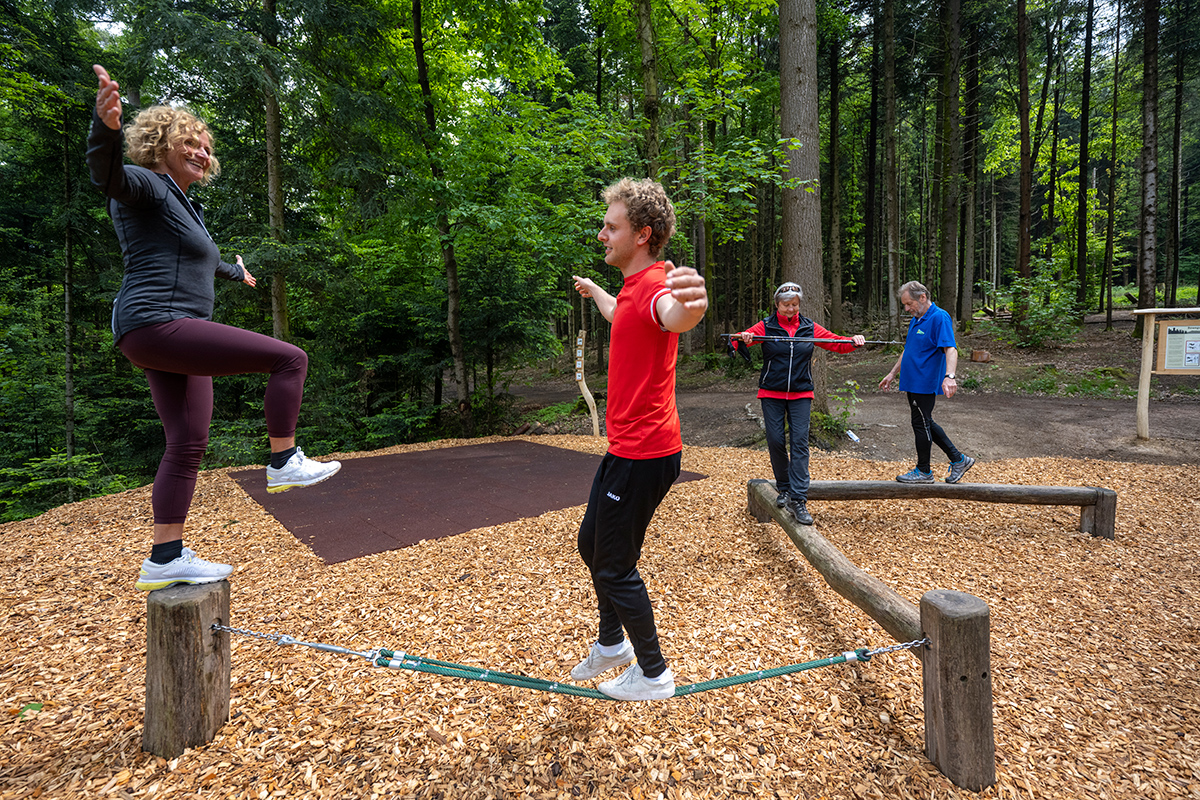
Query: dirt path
[990, 422]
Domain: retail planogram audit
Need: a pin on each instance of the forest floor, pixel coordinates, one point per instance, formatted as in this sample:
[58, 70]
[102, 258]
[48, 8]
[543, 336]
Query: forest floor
[1093, 641]
[1075, 400]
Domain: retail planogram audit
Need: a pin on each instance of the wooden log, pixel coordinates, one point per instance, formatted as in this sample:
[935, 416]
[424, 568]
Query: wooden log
[187, 667]
[957, 677]
[881, 603]
[1098, 507]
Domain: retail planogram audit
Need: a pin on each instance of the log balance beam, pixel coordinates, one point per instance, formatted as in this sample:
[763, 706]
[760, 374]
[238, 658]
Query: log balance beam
[955, 665]
[1097, 507]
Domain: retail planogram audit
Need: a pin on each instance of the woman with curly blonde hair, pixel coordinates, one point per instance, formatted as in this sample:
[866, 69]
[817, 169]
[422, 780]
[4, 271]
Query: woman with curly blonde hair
[162, 318]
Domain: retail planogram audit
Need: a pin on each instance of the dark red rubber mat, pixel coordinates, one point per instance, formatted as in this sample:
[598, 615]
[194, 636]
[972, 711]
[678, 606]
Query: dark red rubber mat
[381, 503]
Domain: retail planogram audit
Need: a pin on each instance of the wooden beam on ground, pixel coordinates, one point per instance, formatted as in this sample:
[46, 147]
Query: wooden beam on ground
[881, 603]
[1097, 515]
[957, 681]
[187, 667]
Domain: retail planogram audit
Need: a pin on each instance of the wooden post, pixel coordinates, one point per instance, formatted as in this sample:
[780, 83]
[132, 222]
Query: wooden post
[959, 738]
[1100, 520]
[1143, 397]
[187, 667]
[583, 387]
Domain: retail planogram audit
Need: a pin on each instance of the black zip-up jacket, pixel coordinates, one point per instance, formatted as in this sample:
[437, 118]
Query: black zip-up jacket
[170, 259]
[787, 365]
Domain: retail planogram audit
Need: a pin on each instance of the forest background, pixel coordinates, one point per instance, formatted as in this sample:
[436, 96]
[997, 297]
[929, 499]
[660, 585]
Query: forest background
[415, 182]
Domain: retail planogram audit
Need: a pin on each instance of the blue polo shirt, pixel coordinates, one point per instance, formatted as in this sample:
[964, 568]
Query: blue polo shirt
[923, 365]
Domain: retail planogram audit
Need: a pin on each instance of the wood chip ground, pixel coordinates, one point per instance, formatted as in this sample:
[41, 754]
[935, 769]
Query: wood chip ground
[1094, 650]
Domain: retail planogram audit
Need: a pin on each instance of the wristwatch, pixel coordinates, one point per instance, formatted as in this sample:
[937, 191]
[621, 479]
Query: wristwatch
[950, 375]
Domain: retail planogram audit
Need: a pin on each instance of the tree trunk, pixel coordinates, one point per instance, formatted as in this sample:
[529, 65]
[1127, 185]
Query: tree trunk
[449, 261]
[835, 188]
[1106, 277]
[870, 264]
[1148, 251]
[952, 152]
[1020, 299]
[280, 323]
[68, 312]
[650, 108]
[966, 307]
[799, 120]
[891, 168]
[1176, 164]
[1082, 223]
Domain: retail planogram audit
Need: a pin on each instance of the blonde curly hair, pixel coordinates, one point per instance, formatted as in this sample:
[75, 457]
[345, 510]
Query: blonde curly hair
[646, 205]
[158, 129]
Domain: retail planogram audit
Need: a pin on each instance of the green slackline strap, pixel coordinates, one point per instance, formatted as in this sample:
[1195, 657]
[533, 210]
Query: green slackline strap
[388, 658]
[382, 657]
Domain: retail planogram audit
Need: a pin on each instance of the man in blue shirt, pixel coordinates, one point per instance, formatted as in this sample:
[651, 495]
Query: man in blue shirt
[926, 369]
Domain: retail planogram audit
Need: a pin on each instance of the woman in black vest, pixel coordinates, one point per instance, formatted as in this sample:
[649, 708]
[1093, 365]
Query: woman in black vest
[786, 390]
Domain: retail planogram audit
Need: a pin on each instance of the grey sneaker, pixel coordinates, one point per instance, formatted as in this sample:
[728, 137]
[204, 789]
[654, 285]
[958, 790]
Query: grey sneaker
[595, 663]
[959, 468]
[633, 685]
[799, 510]
[300, 471]
[781, 500]
[188, 568]
[916, 476]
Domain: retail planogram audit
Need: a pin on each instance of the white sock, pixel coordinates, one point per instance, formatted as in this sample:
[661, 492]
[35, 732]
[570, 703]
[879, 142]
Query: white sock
[610, 650]
[662, 679]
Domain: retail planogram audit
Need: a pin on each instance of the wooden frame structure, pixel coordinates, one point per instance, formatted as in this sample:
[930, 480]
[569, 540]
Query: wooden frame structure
[955, 664]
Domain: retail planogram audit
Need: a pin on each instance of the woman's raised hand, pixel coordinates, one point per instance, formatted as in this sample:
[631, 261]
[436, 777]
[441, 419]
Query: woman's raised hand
[108, 99]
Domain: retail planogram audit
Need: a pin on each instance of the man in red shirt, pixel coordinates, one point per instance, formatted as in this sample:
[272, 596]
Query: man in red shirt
[657, 302]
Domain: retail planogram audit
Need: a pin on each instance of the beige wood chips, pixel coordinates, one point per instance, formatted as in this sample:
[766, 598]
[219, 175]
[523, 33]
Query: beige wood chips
[1094, 649]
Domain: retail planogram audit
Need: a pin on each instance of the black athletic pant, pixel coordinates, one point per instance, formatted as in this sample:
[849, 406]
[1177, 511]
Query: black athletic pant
[625, 495]
[928, 432]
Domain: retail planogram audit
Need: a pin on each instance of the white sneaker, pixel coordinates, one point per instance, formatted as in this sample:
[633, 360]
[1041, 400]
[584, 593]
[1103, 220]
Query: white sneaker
[633, 685]
[188, 568]
[300, 471]
[596, 662]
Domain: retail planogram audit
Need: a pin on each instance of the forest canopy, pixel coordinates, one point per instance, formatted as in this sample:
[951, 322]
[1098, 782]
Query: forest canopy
[415, 182]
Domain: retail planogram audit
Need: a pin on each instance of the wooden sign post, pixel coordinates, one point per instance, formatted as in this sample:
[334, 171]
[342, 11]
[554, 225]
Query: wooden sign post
[1167, 363]
[587, 395]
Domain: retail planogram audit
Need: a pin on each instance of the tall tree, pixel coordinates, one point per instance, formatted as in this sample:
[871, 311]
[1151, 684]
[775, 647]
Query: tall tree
[1082, 222]
[966, 308]
[429, 140]
[1148, 249]
[951, 171]
[799, 117]
[1024, 215]
[649, 63]
[890, 165]
[1107, 274]
[835, 188]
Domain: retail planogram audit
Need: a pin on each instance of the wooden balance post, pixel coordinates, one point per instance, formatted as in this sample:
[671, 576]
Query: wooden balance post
[955, 663]
[1097, 507]
[187, 667]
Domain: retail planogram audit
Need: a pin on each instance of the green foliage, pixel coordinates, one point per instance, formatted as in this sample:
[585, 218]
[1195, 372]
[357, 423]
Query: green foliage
[1050, 313]
[557, 411]
[47, 482]
[1106, 382]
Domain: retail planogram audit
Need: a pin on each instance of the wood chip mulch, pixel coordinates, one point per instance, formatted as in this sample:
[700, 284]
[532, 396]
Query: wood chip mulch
[1094, 649]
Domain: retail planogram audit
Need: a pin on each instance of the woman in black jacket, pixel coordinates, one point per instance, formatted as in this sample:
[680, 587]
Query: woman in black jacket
[785, 389]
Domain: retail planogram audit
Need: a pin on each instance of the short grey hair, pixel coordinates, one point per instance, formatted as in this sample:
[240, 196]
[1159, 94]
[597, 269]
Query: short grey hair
[915, 290]
[787, 289]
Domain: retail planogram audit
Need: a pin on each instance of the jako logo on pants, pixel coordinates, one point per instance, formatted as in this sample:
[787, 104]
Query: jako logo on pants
[614, 497]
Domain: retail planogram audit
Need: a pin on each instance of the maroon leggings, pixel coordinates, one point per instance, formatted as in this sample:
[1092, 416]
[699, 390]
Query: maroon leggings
[180, 359]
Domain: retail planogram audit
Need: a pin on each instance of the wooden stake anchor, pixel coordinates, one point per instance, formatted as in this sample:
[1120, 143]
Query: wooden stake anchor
[957, 677]
[187, 667]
